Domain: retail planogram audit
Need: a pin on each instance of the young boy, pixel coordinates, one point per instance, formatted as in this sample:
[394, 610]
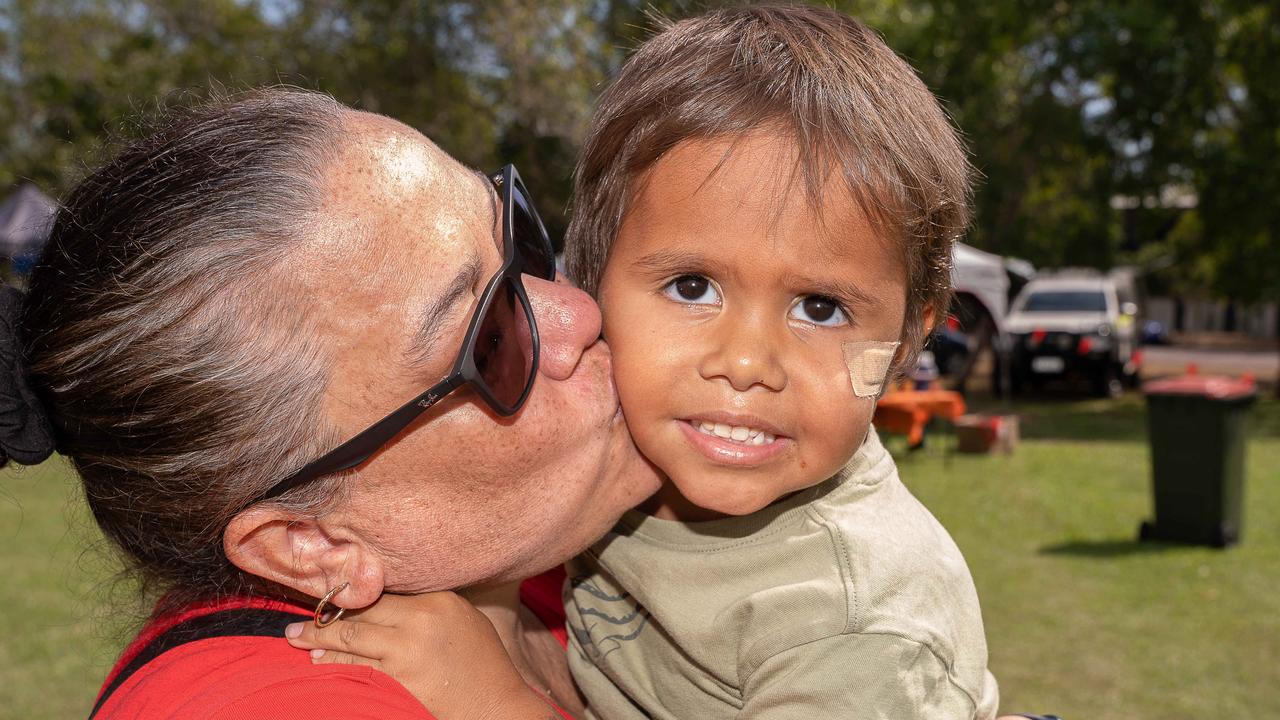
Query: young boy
[765, 210]
[765, 206]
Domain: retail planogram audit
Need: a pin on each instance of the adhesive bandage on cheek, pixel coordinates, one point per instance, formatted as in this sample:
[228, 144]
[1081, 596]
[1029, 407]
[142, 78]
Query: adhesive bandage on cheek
[869, 362]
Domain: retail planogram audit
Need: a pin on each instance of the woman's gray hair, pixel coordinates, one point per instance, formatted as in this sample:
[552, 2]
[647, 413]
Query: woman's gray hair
[178, 365]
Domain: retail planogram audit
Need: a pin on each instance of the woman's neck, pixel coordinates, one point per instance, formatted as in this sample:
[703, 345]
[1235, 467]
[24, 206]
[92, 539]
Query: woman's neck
[501, 604]
[534, 651]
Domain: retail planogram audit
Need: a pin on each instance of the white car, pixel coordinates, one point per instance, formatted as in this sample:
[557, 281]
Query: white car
[1075, 325]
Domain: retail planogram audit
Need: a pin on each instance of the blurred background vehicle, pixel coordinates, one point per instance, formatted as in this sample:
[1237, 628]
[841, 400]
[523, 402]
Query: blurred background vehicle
[949, 347]
[1154, 333]
[25, 216]
[972, 340]
[1076, 325]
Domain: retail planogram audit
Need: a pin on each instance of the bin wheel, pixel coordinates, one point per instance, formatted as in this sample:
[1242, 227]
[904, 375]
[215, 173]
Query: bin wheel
[1224, 536]
[1146, 531]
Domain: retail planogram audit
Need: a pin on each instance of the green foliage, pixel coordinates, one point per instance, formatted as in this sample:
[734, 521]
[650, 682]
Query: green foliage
[1067, 106]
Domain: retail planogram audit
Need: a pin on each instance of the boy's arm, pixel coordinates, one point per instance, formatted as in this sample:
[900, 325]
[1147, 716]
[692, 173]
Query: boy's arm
[439, 647]
[860, 676]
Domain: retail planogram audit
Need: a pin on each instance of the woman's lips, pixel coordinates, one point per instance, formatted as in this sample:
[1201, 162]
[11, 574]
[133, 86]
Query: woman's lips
[751, 451]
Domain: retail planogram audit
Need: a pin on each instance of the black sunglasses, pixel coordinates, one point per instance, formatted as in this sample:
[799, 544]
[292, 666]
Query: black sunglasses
[499, 355]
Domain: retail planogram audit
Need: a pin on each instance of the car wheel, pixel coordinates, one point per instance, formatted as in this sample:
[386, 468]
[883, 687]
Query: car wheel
[1017, 383]
[1108, 384]
[1132, 380]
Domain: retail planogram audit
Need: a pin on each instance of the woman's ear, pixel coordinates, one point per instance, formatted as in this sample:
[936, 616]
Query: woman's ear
[308, 554]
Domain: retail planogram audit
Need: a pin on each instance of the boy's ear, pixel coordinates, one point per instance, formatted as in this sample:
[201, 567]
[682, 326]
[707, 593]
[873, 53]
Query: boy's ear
[930, 319]
[927, 322]
[310, 555]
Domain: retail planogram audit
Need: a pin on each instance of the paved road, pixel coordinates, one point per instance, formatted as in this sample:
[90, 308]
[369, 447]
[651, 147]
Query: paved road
[1172, 360]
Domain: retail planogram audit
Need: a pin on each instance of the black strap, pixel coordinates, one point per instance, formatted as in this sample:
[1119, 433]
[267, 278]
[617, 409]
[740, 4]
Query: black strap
[240, 622]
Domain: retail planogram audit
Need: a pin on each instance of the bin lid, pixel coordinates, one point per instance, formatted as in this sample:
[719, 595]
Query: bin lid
[1217, 387]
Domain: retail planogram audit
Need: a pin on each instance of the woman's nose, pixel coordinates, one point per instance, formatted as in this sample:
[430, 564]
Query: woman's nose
[568, 323]
[745, 354]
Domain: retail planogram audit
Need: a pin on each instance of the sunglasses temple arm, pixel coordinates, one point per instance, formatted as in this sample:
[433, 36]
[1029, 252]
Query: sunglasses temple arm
[361, 447]
[371, 440]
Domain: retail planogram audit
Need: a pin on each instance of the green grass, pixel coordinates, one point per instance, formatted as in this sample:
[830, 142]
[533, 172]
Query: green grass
[57, 641]
[1081, 619]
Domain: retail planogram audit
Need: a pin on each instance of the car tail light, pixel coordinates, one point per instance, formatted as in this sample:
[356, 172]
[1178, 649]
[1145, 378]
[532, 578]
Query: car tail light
[1086, 344]
[1037, 336]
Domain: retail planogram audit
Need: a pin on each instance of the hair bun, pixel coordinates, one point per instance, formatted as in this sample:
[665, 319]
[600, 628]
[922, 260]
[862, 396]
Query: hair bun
[25, 434]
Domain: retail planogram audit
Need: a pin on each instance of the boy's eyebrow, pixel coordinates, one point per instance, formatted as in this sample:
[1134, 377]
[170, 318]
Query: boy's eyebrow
[671, 261]
[838, 289]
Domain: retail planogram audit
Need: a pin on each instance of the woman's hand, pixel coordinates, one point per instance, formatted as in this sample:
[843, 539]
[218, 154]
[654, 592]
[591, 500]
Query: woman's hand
[439, 646]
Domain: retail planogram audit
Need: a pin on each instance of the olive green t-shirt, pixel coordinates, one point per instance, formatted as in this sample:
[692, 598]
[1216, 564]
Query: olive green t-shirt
[846, 600]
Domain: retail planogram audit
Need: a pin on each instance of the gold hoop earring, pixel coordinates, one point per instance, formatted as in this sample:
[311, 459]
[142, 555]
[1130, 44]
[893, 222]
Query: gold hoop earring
[319, 619]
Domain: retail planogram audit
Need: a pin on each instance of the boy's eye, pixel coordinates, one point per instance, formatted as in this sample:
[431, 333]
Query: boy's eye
[819, 310]
[692, 289]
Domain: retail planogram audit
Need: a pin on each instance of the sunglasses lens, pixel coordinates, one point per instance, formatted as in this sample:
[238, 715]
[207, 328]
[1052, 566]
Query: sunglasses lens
[504, 346]
[531, 237]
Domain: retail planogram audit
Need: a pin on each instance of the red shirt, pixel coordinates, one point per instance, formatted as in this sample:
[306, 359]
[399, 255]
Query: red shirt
[251, 678]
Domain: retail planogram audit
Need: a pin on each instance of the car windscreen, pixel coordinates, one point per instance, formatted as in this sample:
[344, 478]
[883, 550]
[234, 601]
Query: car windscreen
[1065, 301]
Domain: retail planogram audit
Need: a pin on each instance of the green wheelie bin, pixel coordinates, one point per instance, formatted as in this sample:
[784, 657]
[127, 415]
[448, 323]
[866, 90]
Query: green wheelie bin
[1198, 435]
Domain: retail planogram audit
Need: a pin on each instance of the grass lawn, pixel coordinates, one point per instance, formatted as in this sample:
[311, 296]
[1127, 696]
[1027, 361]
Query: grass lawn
[57, 643]
[1081, 619]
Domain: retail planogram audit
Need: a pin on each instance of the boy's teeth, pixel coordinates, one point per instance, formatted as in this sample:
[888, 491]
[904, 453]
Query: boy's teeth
[737, 433]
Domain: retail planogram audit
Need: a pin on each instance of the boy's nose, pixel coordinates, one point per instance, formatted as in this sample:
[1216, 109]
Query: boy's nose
[744, 354]
[568, 323]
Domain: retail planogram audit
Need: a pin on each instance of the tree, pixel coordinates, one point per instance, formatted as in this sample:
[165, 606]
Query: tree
[1068, 107]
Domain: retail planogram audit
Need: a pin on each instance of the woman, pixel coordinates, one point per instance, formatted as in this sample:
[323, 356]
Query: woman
[266, 279]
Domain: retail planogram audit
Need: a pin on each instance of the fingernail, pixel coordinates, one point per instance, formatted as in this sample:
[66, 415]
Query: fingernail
[317, 653]
[293, 630]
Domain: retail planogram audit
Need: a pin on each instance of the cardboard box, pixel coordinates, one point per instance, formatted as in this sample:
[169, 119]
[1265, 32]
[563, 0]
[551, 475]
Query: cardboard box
[981, 433]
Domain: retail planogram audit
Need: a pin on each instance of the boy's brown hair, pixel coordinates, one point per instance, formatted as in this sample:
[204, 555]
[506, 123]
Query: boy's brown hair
[849, 102]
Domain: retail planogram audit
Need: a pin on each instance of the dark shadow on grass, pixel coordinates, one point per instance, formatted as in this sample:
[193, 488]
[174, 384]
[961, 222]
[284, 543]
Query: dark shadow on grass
[1111, 548]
